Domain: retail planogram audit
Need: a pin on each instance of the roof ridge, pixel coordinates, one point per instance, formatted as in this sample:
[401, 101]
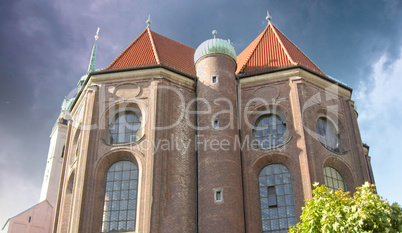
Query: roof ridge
[254, 46]
[302, 53]
[172, 39]
[274, 29]
[153, 45]
[124, 51]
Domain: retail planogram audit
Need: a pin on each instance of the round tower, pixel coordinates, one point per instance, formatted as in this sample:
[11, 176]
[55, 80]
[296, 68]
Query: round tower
[220, 191]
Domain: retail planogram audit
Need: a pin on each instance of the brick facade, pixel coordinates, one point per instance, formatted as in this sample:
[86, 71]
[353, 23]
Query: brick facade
[194, 177]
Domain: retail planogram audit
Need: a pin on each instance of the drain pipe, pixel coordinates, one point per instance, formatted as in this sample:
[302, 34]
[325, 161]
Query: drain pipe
[241, 150]
[196, 152]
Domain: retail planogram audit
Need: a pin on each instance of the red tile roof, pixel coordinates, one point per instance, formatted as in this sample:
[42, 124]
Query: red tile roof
[151, 48]
[272, 50]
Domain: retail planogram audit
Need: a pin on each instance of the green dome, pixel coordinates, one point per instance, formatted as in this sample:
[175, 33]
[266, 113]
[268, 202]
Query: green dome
[214, 46]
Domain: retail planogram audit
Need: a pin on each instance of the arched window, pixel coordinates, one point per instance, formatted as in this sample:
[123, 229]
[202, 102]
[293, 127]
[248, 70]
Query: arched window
[120, 206]
[328, 134]
[124, 127]
[333, 179]
[276, 199]
[269, 131]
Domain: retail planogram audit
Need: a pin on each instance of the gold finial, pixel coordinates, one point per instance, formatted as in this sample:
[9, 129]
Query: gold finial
[149, 20]
[97, 34]
[268, 18]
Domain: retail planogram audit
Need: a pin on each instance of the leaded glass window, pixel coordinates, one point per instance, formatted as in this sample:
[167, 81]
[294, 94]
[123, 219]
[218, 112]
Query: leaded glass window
[269, 131]
[276, 199]
[333, 179]
[328, 134]
[119, 210]
[125, 127]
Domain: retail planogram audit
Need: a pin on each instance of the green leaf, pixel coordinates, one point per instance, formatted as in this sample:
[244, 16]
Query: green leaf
[338, 211]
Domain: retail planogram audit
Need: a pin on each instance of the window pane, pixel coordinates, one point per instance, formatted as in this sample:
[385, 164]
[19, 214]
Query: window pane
[276, 198]
[280, 190]
[333, 179]
[125, 127]
[269, 131]
[130, 226]
[266, 226]
[120, 204]
[328, 134]
[281, 201]
[263, 192]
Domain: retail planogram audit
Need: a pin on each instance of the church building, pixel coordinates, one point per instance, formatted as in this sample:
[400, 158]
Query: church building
[169, 138]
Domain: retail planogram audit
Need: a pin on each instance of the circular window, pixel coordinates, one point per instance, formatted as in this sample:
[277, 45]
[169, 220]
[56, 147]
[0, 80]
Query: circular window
[124, 128]
[269, 131]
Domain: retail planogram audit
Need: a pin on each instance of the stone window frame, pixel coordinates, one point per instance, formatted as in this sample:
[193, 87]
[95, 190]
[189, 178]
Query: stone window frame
[144, 186]
[74, 147]
[113, 185]
[324, 140]
[216, 77]
[216, 123]
[112, 118]
[218, 195]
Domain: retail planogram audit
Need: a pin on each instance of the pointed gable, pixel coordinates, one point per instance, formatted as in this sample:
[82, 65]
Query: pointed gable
[150, 49]
[272, 50]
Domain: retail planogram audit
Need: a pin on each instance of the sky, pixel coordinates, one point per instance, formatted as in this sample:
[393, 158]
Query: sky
[45, 47]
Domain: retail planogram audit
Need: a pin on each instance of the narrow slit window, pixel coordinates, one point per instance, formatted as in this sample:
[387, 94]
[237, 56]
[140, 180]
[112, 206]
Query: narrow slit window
[214, 79]
[62, 151]
[272, 200]
[215, 123]
[218, 195]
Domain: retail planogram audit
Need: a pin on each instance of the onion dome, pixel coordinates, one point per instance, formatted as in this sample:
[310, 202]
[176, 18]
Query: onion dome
[215, 46]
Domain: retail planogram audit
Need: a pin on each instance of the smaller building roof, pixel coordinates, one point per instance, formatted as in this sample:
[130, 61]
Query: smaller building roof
[151, 48]
[272, 50]
[45, 202]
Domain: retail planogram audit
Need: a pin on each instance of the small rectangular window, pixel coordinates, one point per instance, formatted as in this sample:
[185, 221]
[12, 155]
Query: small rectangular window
[218, 195]
[215, 123]
[214, 79]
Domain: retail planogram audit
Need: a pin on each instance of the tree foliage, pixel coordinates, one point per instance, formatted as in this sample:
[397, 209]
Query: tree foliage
[338, 211]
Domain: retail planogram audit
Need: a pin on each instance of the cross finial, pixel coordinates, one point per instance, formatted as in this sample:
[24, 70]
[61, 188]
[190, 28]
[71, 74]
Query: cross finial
[214, 32]
[268, 18]
[149, 20]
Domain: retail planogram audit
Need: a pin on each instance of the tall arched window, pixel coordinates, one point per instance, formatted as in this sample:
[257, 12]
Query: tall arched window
[269, 131]
[124, 127]
[276, 199]
[120, 206]
[333, 179]
[328, 134]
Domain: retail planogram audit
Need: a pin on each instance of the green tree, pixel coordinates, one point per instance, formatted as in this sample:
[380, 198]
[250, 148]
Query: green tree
[338, 211]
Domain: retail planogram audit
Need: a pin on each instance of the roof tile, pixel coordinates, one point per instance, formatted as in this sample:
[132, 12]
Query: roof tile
[151, 48]
[272, 50]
